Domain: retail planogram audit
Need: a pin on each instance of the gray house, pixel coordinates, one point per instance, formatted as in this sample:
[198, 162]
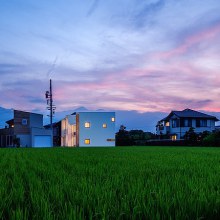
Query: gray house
[25, 129]
[177, 123]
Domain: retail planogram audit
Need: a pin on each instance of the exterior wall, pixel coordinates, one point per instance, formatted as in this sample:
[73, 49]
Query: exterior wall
[68, 131]
[36, 120]
[25, 140]
[6, 137]
[20, 128]
[74, 132]
[97, 135]
[180, 131]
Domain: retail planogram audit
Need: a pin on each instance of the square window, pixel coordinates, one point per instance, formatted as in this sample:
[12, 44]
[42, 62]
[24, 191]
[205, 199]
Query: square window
[87, 141]
[87, 124]
[173, 137]
[113, 119]
[104, 125]
[24, 121]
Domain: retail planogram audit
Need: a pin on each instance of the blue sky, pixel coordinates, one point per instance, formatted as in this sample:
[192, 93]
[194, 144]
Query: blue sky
[143, 55]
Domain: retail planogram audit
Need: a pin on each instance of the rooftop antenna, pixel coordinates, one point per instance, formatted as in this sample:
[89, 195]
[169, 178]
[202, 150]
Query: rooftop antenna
[50, 107]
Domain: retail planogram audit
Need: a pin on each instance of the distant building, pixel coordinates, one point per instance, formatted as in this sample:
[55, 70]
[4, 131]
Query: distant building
[177, 123]
[25, 129]
[56, 133]
[87, 129]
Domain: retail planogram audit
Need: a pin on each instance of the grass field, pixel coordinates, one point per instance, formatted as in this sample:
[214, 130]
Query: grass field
[110, 183]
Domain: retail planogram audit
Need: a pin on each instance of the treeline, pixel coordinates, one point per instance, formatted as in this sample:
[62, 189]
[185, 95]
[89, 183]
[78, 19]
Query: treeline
[141, 138]
[133, 137]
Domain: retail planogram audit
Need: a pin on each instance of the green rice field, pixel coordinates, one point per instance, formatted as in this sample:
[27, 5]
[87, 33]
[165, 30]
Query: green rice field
[110, 183]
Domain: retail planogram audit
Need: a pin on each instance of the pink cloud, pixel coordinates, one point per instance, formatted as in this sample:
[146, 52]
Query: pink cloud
[205, 35]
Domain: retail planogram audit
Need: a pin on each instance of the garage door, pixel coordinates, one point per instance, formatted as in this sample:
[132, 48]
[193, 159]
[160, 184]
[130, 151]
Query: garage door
[42, 141]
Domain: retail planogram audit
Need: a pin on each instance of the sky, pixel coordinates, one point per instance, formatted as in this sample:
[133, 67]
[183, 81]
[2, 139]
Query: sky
[135, 55]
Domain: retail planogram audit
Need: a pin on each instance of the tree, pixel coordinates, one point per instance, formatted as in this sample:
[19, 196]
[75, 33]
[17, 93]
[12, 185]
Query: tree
[122, 137]
[213, 139]
[191, 137]
[132, 137]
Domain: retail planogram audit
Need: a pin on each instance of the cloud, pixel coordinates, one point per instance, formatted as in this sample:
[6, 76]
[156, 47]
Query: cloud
[10, 69]
[136, 55]
[147, 12]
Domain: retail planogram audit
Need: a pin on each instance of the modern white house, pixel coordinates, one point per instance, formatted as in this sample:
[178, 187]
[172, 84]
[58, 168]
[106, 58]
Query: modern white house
[177, 123]
[25, 129]
[88, 129]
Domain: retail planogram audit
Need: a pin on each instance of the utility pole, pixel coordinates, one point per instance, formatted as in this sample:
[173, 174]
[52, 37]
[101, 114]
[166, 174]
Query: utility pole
[50, 107]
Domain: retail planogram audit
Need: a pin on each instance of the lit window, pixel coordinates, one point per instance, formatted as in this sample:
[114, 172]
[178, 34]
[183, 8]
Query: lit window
[87, 141]
[173, 137]
[167, 124]
[113, 119]
[104, 125]
[87, 124]
[24, 121]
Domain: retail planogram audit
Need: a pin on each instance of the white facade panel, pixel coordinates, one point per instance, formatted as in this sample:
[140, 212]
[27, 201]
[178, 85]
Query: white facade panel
[88, 129]
[101, 130]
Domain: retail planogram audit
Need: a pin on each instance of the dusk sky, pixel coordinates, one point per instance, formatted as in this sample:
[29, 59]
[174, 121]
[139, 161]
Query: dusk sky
[143, 55]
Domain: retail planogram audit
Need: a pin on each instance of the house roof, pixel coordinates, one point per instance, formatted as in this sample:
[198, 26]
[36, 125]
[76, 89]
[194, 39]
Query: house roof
[189, 113]
[9, 122]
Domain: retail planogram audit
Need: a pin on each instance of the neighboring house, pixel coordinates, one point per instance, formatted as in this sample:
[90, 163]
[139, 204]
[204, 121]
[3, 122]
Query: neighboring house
[177, 123]
[86, 129]
[56, 133]
[25, 129]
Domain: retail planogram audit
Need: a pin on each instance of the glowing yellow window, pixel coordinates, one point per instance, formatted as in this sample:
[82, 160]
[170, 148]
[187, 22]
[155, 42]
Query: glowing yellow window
[167, 123]
[113, 119]
[104, 125]
[173, 137]
[87, 141]
[87, 124]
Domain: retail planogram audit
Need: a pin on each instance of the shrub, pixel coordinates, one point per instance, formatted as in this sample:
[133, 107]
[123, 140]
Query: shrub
[212, 139]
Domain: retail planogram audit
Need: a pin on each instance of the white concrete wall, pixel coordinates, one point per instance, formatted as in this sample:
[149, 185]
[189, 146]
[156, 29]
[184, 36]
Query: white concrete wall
[96, 133]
